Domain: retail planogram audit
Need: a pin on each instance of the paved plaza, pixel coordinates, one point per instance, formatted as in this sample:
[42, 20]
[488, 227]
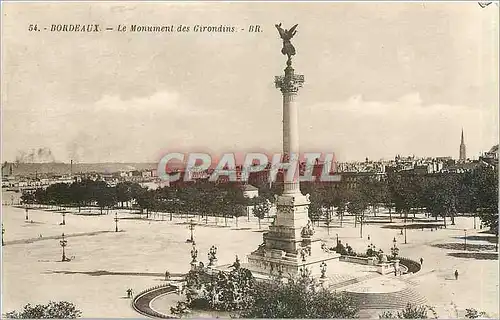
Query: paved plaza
[104, 263]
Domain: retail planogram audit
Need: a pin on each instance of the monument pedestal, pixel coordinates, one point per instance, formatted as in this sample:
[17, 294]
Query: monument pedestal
[290, 245]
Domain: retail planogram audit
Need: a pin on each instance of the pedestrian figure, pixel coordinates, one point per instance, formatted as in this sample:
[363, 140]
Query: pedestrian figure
[456, 274]
[368, 237]
[421, 261]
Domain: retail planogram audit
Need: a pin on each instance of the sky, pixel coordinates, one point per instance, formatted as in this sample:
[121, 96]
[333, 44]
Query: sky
[381, 79]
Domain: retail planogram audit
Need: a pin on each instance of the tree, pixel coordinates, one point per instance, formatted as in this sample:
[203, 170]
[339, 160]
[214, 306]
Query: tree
[315, 210]
[78, 194]
[371, 188]
[340, 199]
[411, 311]
[105, 196]
[270, 192]
[238, 210]
[298, 298]
[230, 291]
[485, 186]
[145, 199]
[261, 208]
[58, 194]
[406, 193]
[442, 193]
[123, 192]
[41, 196]
[223, 291]
[28, 197]
[357, 206]
[329, 201]
[52, 310]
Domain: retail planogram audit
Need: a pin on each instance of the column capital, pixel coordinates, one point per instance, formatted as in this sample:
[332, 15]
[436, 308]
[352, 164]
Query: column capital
[290, 82]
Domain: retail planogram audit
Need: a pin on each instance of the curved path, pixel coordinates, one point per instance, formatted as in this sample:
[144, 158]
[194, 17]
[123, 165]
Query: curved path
[142, 302]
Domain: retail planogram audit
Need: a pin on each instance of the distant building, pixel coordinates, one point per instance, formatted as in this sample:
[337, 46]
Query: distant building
[125, 174]
[249, 191]
[7, 169]
[463, 154]
[490, 158]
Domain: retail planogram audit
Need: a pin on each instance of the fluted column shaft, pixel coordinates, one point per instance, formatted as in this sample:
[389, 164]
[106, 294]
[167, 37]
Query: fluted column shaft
[289, 85]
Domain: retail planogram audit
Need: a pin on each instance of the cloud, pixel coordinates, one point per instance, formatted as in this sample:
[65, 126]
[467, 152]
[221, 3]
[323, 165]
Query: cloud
[356, 128]
[134, 129]
[111, 129]
[160, 102]
[421, 71]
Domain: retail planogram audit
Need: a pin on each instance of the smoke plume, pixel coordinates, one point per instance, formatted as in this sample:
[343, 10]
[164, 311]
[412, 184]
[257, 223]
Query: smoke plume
[40, 155]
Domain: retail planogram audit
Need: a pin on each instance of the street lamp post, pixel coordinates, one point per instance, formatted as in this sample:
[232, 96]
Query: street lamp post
[27, 216]
[116, 221]
[361, 226]
[3, 231]
[191, 228]
[465, 240]
[328, 217]
[406, 216]
[63, 218]
[394, 249]
[337, 239]
[63, 243]
[194, 255]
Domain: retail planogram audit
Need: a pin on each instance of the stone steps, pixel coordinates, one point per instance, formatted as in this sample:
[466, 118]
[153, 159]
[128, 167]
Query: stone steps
[390, 300]
[352, 281]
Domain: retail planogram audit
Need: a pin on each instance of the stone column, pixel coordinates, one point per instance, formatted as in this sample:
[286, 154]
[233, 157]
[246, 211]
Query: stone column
[289, 85]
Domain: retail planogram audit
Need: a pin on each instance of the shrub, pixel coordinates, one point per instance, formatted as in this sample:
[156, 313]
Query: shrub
[52, 310]
[474, 314]
[298, 298]
[411, 311]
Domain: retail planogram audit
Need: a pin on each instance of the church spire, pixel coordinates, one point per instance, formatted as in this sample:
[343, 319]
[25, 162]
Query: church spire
[462, 156]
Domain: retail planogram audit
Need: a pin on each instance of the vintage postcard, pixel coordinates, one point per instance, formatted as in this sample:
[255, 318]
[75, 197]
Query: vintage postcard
[250, 159]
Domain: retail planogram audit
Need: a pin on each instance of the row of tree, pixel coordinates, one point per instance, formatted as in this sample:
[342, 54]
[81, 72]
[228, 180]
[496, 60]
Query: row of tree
[442, 195]
[203, 199]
